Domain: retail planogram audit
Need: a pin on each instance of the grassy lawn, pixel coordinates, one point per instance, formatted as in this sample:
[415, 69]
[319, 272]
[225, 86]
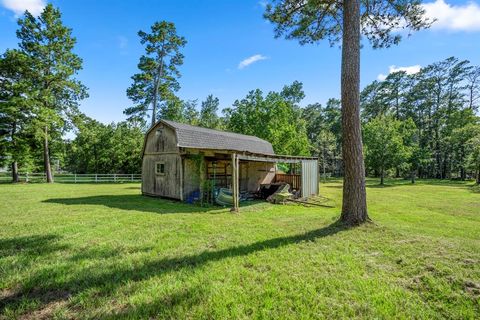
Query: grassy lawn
[104, 251]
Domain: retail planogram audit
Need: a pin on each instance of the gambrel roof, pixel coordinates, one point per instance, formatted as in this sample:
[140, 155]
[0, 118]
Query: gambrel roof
[189, 136]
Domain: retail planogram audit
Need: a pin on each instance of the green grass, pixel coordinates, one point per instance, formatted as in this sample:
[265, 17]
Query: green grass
[104, 251]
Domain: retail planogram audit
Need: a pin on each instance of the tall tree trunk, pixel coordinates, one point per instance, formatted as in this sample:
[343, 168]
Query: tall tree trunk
[155, 95]
[46, 157]
[354, 207]
[15, 177]
[478, 174]
[382, 176]
[412, 176]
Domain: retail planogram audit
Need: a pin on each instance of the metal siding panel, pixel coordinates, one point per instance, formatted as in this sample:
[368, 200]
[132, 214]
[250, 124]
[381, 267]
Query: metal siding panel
[309, 178]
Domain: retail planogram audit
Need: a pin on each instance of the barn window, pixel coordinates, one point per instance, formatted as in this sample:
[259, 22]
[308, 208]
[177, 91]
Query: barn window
[160, 168]
[159, 132]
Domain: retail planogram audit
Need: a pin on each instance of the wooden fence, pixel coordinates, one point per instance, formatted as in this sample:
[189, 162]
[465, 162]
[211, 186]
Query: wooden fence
[75, 177]
[292, 179]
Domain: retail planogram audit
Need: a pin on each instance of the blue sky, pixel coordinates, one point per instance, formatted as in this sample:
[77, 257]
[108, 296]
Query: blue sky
[223, 33]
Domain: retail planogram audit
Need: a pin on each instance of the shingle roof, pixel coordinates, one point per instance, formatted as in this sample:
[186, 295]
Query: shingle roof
[197, 137]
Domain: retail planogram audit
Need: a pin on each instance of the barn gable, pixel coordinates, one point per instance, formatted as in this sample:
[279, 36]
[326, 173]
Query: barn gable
[188, 136]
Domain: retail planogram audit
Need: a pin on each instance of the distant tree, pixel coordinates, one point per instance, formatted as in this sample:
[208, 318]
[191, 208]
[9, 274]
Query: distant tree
[325, 145]
[384, 146]
[474, 157]
[275, 117]
[100, 148]
[183, 111]
[156, 82]
[15, 112]
[49, 45]
[372, 102]
[190, 112]
[311, 21]
[209, 113]
[313, 116]
[473, 87]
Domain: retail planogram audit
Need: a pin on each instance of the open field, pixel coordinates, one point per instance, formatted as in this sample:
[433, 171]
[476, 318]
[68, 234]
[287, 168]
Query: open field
[104, 251]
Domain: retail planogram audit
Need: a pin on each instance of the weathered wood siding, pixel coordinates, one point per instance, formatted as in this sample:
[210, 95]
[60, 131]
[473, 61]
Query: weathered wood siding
[191, 176]
[253, 174]
[161, 139]
[161, 146]
[166, 185]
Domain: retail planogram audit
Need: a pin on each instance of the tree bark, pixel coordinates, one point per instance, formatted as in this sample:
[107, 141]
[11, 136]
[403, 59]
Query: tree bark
[412, 177]
[15, 177]
[155, 94]
[46, 157]
[354, 207]
[382, 175]
[478, 174]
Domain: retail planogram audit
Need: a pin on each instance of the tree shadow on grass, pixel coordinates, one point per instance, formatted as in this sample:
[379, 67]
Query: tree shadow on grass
[52, 286]
[136, 202]
[30, 245]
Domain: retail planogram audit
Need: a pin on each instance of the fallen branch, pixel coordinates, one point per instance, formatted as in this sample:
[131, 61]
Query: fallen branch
[310, 203]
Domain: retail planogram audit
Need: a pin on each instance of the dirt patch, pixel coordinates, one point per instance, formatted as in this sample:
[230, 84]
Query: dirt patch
[472, 287]
[49, 301]
[45, 312]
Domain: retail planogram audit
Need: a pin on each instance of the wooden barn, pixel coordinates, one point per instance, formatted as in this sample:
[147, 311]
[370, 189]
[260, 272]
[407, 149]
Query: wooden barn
[181, 161]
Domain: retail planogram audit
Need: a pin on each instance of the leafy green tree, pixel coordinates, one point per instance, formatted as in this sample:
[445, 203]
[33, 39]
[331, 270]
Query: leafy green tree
[326, 146]
[156, 82]
[461, 143]
[473, 87]
[371, 101]
[100, 148]
[275, 117]
[474, 156]
[49, 45]
[184, 111]
[209, 113]
[384, 146]
[311, 21]
[15, 112]
[190, 112]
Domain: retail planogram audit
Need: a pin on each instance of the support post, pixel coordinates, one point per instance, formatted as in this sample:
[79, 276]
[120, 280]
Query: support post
[75, 178]
[234, 183]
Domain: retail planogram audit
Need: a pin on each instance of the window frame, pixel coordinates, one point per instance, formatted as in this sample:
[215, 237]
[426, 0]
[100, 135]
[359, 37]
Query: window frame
[158, 166]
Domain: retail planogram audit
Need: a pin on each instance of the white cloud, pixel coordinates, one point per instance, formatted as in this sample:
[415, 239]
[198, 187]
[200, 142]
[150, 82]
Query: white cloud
[122, 42]
[408, 70]
[35, 7]
[449, 17]
[248, 61]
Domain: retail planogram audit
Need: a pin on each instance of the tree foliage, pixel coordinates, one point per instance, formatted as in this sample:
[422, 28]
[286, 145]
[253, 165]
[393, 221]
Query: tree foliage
[100, 148]
[275, 117]
[209, 113]
[156, 83]
[384, 145]
[54, 92]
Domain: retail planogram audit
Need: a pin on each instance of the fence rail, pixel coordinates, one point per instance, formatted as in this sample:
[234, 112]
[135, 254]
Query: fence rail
[75, 177]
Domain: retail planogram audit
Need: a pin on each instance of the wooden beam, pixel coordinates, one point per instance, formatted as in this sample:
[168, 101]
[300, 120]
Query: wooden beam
[234, 182]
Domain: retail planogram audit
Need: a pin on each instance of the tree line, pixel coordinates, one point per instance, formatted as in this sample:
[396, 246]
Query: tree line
[420, 125]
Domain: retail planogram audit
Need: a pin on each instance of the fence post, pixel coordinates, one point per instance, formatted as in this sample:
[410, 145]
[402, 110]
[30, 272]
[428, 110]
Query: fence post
[26, 177]
[132, 177]
[96, 178]
[75, 178]
[114, 177]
